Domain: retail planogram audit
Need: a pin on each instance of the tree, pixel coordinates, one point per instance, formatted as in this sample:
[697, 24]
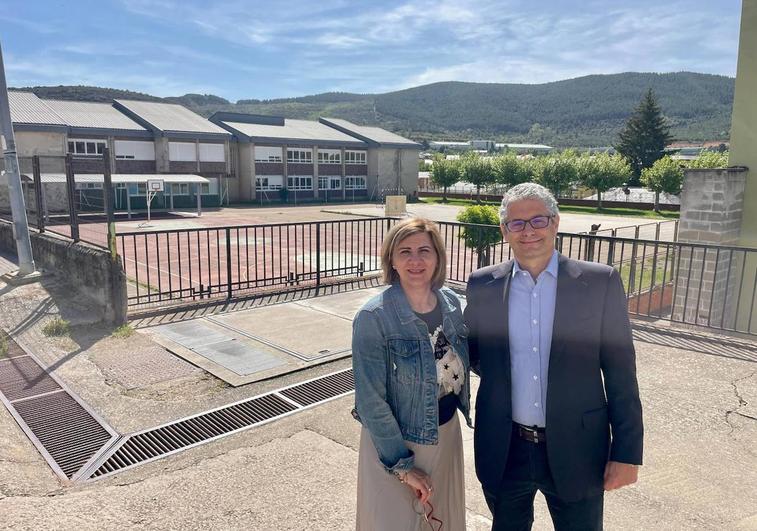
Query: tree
[602, 171]
[445, 173]
[710, 159]
[479, 236]
[555, 172]
[477, 171]
[645, 136]
[509, 170]
[665, 175]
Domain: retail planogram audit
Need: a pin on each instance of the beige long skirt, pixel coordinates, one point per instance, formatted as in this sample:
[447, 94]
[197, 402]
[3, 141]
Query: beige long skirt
[385, 504]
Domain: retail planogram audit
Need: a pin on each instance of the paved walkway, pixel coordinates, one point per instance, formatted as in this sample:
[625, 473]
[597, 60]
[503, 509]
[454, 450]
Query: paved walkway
[699, 393]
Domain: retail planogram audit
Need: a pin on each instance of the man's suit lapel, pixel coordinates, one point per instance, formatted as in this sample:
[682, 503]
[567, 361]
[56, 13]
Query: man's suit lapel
[502, 276]
[571, 295]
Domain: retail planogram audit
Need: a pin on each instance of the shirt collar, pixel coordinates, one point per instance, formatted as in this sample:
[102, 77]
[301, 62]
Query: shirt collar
[552, 266]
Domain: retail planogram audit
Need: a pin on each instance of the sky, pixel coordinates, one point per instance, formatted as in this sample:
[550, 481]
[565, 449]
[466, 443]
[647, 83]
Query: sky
[240, 49]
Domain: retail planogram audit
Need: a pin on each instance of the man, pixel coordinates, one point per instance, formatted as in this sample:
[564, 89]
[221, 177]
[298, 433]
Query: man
[558, 406]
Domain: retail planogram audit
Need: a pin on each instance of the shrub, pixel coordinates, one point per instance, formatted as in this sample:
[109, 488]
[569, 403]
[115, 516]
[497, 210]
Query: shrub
[123, 331]
[710, 159]
[480, 238]
[3, 345]
[57, 327]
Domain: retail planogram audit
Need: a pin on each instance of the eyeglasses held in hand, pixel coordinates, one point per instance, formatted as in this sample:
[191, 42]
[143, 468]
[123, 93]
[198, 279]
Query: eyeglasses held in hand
[537, 222]
[428, 516]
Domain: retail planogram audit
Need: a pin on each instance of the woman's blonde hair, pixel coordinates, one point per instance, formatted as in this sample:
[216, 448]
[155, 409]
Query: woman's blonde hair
[402, 230]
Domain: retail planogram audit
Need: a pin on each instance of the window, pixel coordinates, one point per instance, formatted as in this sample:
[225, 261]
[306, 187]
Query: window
[329, 182]
[329, 156]
[180, 189]
[354, 183]
[182, 151]
[87, 148]
[135, 150]
[267, 154]
[89, 186]
[136, 189]
[268, 183]
[355, 157]
[301, 156]
[300, 183]
[212, 153]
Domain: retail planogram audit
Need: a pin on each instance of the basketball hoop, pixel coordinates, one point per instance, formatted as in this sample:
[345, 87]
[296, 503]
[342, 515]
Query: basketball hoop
[154, 186]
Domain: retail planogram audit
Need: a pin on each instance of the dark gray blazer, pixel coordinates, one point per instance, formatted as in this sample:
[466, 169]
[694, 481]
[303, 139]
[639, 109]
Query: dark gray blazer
[593, 407]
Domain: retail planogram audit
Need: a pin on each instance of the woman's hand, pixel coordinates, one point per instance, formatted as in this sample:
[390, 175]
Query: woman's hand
[420, 483]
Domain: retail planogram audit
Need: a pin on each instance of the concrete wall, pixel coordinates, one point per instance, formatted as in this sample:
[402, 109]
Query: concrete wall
[87, 269]
[743, 150]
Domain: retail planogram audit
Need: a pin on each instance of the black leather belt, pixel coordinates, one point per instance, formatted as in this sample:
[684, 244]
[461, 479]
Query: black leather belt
[530, 433]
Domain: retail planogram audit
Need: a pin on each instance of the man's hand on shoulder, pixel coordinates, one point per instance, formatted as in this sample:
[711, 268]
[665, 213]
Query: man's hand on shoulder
[619, 475]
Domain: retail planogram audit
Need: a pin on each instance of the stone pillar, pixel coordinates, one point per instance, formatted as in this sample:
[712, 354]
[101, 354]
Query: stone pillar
[162, 160]
[708, 279]
[315, 173]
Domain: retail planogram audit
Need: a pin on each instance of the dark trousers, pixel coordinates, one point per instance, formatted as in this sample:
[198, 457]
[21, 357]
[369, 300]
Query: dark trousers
[526, 472]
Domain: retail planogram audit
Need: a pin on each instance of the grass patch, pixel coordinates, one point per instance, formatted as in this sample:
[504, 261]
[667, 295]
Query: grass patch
[123, 331]
[57, 327]
[643, 278]
[635, 212]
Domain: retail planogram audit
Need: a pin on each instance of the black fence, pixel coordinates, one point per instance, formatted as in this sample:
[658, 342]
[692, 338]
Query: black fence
[710, 286]
[57, 202]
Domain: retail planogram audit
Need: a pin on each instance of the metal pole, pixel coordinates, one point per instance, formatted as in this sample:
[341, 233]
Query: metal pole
[18, 209]
[38, 193]
[73, 217]
[108, 199]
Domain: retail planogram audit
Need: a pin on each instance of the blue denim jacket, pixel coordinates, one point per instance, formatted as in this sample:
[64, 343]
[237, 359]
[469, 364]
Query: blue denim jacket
[395, 373]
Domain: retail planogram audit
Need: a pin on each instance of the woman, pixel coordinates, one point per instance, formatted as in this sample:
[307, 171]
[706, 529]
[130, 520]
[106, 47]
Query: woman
[410, 359]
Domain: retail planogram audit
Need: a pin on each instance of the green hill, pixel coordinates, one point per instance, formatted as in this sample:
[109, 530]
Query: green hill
[585, 111]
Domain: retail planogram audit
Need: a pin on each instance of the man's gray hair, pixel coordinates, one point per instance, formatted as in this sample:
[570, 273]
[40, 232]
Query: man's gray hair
[528, 191]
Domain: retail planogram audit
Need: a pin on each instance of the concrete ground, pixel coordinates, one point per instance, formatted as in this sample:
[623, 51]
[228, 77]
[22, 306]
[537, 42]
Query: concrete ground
[699, 393]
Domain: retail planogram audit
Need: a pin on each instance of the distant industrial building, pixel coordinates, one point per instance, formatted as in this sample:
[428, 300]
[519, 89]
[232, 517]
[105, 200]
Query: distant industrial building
[487, 146]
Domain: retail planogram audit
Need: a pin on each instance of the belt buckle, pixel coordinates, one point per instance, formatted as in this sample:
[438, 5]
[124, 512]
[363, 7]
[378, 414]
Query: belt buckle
[532, 432]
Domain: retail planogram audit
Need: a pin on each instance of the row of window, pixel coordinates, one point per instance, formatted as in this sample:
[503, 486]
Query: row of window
[270, 183]
[305, 156]
[187, 152]
[145, 150]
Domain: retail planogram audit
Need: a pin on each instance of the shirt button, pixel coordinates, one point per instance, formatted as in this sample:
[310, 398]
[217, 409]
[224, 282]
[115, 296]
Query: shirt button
[534, 349]
[535, 295]
[536, 404]
[535, 321]
[536, 377]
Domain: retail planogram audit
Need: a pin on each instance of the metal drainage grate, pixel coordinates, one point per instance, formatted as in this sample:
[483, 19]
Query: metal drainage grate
[64, 430]
[321, 389]
[168, 439]
[22, 377]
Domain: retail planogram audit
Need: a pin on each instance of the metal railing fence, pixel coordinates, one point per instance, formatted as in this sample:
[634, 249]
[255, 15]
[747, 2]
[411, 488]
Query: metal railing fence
[703, 285]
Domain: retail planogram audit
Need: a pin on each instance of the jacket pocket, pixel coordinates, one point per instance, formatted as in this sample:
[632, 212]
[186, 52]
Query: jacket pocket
[404, 359]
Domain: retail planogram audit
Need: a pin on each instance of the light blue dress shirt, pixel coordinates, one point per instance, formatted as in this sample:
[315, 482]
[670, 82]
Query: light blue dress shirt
[531, 308]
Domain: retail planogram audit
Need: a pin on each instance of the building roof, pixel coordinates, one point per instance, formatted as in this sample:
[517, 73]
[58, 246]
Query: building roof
[291, 130]
[26, 108]
[168, 118]
[523, 146]
[371, 135]
[92, 115]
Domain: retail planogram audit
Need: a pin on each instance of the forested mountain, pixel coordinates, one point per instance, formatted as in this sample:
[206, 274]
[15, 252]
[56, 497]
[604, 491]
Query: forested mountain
[585, 111]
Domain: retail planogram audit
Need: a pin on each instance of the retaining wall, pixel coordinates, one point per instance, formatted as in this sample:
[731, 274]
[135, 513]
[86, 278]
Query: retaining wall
[88, 269]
